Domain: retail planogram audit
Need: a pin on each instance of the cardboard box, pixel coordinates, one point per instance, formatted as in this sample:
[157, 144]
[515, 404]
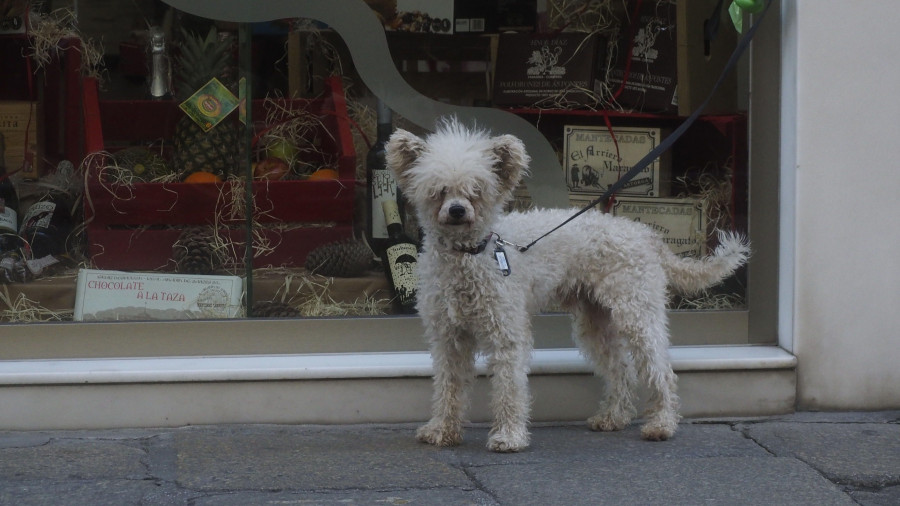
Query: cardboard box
[680, 222]
[672, 69]
[646, 80]
[456, 16]
[21, 125]
[562, 71]
[595, 158]
[699, 66]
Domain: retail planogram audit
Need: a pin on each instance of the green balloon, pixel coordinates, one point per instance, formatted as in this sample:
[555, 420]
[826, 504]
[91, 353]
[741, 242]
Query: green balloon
[751, 6]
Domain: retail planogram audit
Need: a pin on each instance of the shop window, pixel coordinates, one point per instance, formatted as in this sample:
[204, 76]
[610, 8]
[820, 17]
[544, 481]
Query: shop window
[219, 172]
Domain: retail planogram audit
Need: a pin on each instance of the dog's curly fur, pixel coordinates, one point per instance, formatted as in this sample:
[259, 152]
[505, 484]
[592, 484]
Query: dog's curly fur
[611, 273]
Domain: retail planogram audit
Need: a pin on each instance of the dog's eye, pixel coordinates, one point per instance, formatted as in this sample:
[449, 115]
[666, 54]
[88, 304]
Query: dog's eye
[443, 192]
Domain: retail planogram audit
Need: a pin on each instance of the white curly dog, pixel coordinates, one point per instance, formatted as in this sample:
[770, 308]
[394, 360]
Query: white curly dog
[611, 273]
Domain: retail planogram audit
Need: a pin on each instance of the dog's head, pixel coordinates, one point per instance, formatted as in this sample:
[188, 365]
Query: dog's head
[458, 179]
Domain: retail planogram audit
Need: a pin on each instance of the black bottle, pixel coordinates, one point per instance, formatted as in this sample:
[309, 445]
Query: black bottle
[47, 224]
[400, 261]
[380, 184]
[9, 198]
[12, 261]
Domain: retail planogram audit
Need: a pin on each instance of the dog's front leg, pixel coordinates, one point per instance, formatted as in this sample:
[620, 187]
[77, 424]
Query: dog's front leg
[511, 400]
[453, 356]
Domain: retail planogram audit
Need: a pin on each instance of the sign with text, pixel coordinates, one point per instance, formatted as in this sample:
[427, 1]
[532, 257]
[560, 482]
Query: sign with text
[681, 223]
[114, 295]
[559, 71]
[596, 157]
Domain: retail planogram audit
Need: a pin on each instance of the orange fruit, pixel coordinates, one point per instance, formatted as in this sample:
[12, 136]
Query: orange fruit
[323, 174]
[201, 176]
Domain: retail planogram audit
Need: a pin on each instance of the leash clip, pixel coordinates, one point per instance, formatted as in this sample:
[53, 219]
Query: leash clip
[503, 242]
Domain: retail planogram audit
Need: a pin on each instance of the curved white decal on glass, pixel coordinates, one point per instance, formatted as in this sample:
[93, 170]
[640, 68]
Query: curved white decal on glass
[360, 29]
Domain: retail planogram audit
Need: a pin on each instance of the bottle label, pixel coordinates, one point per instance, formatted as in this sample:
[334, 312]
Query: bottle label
[8, 220]
[383, 188]
[39, 215]
[391, 213]
[402, 262]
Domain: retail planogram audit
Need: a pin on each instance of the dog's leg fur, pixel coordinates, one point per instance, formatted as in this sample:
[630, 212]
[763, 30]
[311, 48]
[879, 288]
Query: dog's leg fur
[648, 336]
[511, 398]
[610, 355]
[453, 355]
[638, 323]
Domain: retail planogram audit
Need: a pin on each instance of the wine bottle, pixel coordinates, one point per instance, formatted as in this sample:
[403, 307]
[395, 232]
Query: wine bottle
[9, 198]
[47, 224]
[12, 264]
[380, 183]
[160, 78]
[400, 261]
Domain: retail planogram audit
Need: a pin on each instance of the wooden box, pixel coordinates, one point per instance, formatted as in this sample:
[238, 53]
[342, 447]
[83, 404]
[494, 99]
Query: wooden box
[133, 227]
[20, 125]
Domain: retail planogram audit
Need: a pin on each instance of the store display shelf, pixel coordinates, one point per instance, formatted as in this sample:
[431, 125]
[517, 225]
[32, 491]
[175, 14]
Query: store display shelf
[133, 227]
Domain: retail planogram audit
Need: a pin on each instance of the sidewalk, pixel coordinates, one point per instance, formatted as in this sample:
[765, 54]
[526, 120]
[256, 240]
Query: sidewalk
[805, 458]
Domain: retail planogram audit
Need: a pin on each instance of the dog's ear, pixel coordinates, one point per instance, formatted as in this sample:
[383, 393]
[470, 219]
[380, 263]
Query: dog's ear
[512, 161]
[401, 151]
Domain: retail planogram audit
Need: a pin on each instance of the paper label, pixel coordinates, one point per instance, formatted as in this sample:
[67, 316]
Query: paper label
[595, 159]
[681, 223]
[209, 105]
[383, 188]
[113, 295]
[8, 220]
[402, 262]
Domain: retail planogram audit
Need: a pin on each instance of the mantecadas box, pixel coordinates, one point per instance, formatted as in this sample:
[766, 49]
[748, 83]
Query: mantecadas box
[680, 222]
[595, 157]
[672, 67]
[20, 126]
[646, 79]
[559, 71]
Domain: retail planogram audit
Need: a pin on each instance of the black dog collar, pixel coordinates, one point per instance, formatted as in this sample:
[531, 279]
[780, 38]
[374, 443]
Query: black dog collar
[476, 249]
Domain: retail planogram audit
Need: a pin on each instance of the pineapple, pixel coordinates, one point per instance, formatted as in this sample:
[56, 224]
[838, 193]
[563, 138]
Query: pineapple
[217, 150]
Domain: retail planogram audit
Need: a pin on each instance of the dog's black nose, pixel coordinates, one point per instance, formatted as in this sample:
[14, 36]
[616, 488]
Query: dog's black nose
[457, 211]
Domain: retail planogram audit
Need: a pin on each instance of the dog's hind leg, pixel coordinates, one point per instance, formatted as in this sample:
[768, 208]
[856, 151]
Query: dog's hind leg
[613, 363]
[649, 341]
[453, 356]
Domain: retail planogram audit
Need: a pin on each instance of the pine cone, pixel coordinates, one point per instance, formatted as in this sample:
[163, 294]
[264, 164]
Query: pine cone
[272, 309]
[342, 259]
[195, 251]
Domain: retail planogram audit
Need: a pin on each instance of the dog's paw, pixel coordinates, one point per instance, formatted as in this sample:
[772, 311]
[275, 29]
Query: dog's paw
[607, 422]
[658, 430]
[439, 435]
[505, 442]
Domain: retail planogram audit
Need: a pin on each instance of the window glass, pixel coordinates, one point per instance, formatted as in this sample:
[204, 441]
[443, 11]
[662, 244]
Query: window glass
[182, 167]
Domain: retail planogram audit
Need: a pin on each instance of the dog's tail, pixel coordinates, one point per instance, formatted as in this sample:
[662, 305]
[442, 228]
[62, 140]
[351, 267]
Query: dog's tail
[689, 275]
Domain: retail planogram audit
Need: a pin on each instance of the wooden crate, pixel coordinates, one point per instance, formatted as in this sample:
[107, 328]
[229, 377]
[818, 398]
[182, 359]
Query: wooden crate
[133, 227]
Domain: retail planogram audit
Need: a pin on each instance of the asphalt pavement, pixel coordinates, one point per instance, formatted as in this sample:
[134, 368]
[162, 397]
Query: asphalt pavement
[803, 458]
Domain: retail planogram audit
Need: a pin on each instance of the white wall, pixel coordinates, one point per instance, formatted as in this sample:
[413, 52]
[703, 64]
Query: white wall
[847, 298]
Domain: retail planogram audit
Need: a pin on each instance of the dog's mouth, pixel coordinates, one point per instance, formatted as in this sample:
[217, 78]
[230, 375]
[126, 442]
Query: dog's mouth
[456, 222]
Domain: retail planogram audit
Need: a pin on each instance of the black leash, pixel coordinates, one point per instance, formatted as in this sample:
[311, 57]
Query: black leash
[668, 141]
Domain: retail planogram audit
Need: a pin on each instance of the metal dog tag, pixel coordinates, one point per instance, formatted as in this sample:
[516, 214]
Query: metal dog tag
[502, 262]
